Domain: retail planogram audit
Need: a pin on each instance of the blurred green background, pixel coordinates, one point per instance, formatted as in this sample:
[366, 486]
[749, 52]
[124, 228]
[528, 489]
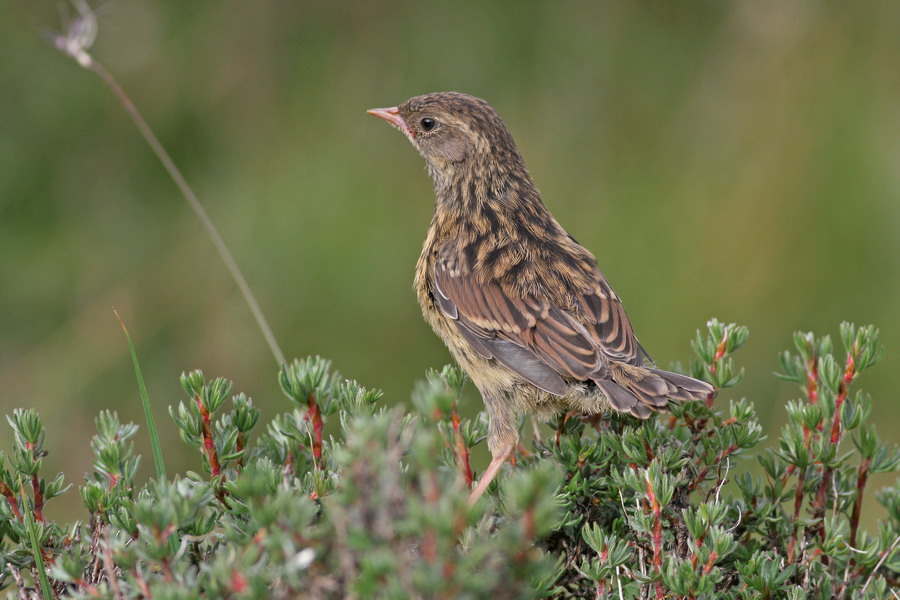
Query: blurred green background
[730, 159]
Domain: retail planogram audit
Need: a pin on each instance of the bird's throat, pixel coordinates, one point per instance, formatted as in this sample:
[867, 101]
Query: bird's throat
[485, 195]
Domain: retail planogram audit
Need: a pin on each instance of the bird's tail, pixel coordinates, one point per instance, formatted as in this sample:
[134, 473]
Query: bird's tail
[640, 391]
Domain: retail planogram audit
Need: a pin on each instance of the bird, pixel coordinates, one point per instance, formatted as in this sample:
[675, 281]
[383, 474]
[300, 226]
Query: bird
[522, 306]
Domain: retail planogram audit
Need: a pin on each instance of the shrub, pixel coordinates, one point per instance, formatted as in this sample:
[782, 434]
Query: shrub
[602, 507]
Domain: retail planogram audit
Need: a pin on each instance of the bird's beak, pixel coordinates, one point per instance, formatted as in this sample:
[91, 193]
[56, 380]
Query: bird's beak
[392, 116]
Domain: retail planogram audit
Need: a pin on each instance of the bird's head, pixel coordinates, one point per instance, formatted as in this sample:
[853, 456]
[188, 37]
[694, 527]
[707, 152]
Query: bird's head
[452, 131]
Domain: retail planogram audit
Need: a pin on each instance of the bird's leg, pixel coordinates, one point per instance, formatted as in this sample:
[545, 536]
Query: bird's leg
[496, 462]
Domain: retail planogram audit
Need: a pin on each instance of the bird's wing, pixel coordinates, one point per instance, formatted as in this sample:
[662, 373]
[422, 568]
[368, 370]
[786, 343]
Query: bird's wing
[606, 320]
[537, 340]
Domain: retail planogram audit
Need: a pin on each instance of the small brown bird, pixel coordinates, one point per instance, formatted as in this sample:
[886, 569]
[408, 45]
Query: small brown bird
[520, 304]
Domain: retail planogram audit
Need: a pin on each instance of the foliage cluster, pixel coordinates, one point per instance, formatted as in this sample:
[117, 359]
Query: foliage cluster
[601, 508]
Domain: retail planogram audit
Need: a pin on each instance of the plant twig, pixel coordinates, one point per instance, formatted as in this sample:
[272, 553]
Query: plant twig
[884, 557]
[315, 417]
[461, 451]
[208, 447]
[657, 534]
[861, 479]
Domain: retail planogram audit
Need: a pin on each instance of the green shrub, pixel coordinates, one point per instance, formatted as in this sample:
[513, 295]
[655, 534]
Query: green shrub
[604, 507]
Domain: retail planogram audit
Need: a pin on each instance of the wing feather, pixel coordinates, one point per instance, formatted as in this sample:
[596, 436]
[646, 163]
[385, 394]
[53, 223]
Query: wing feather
[539, 341]
[610, 325]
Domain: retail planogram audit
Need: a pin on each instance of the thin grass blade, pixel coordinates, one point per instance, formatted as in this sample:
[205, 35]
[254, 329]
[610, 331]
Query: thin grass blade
[145, 400]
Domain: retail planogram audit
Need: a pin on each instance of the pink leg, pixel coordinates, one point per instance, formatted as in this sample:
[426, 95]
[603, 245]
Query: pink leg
[491, 472]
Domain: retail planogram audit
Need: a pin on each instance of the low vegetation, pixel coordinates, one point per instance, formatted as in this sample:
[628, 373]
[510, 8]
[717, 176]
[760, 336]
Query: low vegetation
[689, 505]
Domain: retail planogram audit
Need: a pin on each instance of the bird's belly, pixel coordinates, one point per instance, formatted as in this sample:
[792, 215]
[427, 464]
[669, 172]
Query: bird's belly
[490, 377]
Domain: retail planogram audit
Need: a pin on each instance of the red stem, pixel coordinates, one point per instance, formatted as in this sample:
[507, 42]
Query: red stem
[861, 477]
[240, 446]
[315, 415]
[696, 555]
[702, 474]
[166, 569]
[843, 389]
[657, 526]
[528, 523]
[562, 424]
[812, 377]
[821, 497]
[11, 499]
[141, 583]
[38, 498]
[462, 452]
[798, 503]
[36, 488]
[720, 353]
[429, 546]
[812, 392]
[209, 448]
[239, 583]
[448, 570]
[709, 564]
[849, 372]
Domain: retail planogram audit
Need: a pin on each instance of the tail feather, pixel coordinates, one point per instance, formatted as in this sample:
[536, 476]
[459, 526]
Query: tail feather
[641, 391]
[687, 388]
[622, 400]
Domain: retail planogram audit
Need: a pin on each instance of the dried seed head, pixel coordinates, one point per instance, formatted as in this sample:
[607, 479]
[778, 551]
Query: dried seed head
[78, 36]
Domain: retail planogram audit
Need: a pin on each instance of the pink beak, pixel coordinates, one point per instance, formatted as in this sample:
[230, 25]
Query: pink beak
[392, 116]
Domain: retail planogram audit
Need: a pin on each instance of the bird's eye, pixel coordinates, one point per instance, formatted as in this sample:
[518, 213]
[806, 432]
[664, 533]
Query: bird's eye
[428, 123]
